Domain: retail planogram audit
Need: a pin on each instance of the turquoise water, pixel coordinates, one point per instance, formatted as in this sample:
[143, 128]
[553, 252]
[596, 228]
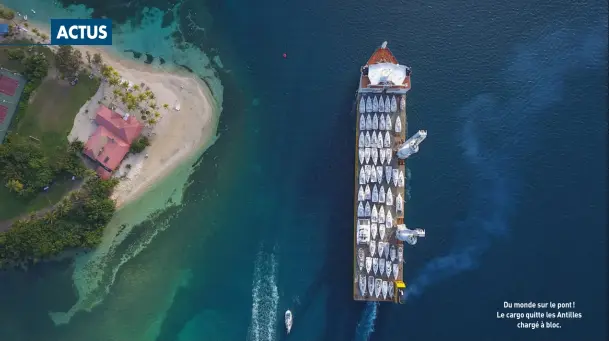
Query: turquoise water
[513, 96]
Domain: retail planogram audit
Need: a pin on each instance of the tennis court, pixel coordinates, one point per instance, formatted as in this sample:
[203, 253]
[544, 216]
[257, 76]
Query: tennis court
[11, 87]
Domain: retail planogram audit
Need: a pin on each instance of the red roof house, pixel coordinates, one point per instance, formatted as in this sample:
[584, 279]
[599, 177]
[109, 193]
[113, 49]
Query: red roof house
[111, 140]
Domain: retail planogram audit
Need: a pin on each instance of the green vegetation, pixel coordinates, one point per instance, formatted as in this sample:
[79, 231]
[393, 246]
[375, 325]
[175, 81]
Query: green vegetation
[6, 13]
[68, 60]
[77, 221]
[139, 145]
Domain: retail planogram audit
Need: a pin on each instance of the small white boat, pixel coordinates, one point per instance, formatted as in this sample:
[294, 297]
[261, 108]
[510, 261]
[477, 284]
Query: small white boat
[360, 210]
[388, 173]
[362, 155]
[382, 155]
[360, 259]
[379, 140]
[381, 105]
[387, 105]
[396, 270]
[390, 289]
[368, 170]
[375, 264]
[384, 290]
[375, 122]
[362, 140]
[368, 122]
[398, 125]
[400, 253]
[374, 229]
[375, 105]
[399, 203]
[368, 105]
[362, 105]
[389, 199]
[388, 154]
[382, 266]
[372, 247]
[362, 176]
[381, 247]
[386, 250]
[392, 254]
[403, 103]
[394, 104]
[373, 173]
[381, 218]
[362, 284]
[375, 194]
[361, 195]
[288, 320]
[388, 268]
[388, 122]
[367, 193]
[401, 181]
[375, 155]
[388, 220]
[371, 285]
[367, 209]
[378, 283]
[367, 140]
[374, 215]
[379, 174]
[367, 154]
[362, 122]
[382, 195]
[387, 140]
[395, 177]
[382, 228]
[368, 268]
[33, 11]
[382, 121]
[373, 141]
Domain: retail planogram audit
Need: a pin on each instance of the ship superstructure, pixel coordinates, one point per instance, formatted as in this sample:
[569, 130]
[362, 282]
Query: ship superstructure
[381, 150]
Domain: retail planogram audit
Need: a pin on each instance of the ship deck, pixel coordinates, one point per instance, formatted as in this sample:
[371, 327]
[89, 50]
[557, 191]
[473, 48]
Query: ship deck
[398, 218]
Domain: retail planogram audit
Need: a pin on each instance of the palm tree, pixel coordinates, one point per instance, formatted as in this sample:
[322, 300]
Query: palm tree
[166, 106]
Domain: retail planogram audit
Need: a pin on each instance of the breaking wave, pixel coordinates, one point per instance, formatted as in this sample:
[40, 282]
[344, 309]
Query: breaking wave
[365, 326]
[265, 299]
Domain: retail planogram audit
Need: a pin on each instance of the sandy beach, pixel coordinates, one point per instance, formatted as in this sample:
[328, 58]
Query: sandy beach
[176, 137]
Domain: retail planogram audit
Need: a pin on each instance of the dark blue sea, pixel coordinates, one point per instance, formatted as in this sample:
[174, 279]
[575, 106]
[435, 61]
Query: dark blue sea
[510, 184]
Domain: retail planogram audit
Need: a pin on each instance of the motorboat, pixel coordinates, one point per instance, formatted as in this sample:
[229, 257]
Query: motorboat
[381, 247]
[388, 122]
[361, 196]
[375, 155]
[400, 254]
[368, 122]
[377, 287]
[362, 176]
[367, 139]
[382, 228]
[362, 155]
[399, 203]
[362, 140]
[381, 155]
[398, 125]
[375, 194]
[389, 198]
[367, 170]
[371, 285]
[381, 105]
[374, 230]
[394, 104]
[367, 209]
[360, 259]
[362, 122]
[382, 120]
[372, 247]
[288, 320]
[373, 140]
[368, 268]
[387, 140]
[388, 268]
[362, 105]
[388, 173]
[373, 173]
[374, 215]
[387, 105]
[367, 154]
[367, 193]
[389, 220]
[379, 173]
[375, 264]
[384, 290]
[395, 176]
[386, 250]
[382, 266]
[379, 140]
[375, 105]
[401, 180]
[388, 154]
[381, 218]
[368, 105]
[392, 254]
[396, 270]
[375, 122]
[362, 285]
[382, 195]
[360, 210]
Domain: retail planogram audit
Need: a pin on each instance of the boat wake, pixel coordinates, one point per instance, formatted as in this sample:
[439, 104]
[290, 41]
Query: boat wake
[497, 132]
[265, 299]
[365, 327]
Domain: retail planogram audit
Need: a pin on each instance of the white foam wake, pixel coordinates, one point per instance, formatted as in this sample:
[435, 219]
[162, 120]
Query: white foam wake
[365, 327]
[265, 299]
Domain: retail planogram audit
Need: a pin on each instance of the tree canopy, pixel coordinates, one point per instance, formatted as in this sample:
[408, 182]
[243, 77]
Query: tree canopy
[68, 60]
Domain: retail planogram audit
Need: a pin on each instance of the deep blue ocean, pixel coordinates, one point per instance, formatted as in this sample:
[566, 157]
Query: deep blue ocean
[510, 184]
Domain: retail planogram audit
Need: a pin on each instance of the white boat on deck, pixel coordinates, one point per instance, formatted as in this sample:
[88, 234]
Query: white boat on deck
[392, 254]
[368, 105]
[360, 210]
[382, 155]
[384, 290]
[375, 265]
[362, 176]
[389, 220]
[381, 247]
[362, 122]
[375, 194]
[372, 173]
[367, 193]
[362, 285]
[368, 268]
[361, 195]
[374, 215]
[372, 247]
[388, 122]
[396, 270]
[382, 195]
[371, 285]
[362, 105]
[373, 141]
[368, 122]
[367, 139]
[398, 125]
[382, 228]
[400, 253]
[399, 203]
[288, 319]
[389, 198]
[375, 155]
[375, 105]
[375, 122]
[382, 266]
[403, 103]
[381, 105]
[360, 259]
[374, 229]
[379, 174]
[367, 209]
[378, 283]
[379, 140]
[401, 180]
[388, 268]
[367, 154]
[381, 218]
[394, 104]
[388, 154]
[388, 173]
[387, 140]
[387, 105]
[367, 171]
[390, 289]
[395, 177]
[386, 250]
[382, 121]
[361, 143]
[362, 155]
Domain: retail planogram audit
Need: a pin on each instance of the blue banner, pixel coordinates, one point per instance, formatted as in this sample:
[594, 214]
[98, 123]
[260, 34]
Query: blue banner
[81, 32]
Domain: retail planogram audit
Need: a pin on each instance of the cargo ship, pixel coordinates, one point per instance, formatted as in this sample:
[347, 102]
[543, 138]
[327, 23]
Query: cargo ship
[381, 151]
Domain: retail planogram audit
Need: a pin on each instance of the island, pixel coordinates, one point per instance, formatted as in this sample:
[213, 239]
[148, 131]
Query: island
[82, 133]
